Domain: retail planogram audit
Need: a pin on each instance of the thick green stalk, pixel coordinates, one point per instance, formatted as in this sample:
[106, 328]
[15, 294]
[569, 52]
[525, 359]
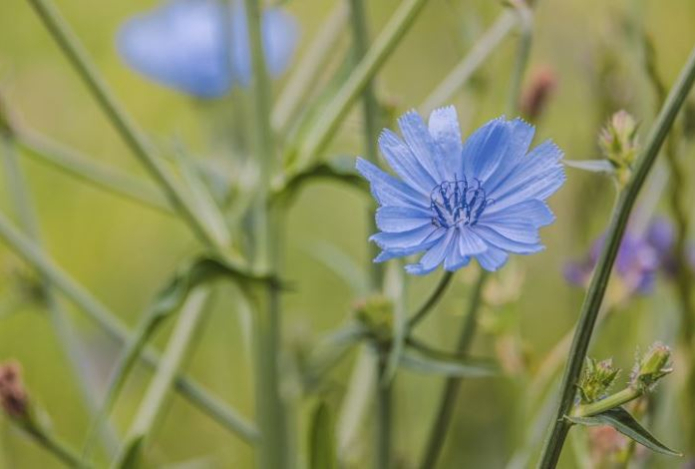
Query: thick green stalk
[67, 336]
[110, 323]
[463, 71]
[274, 452]
[178, 349]
[212, 232]
[432, 301]
[445, 410]
[599, 281]
[360, 77]
[77, 165]
[360, 35]
[383, 415]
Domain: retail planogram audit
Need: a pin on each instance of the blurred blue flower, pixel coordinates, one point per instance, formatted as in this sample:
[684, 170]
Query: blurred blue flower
[201, 47]
[455, 201]
[640, 258]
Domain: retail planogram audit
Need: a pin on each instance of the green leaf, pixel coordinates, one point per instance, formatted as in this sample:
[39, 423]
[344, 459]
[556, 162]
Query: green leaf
[621, 420]
[132, 455]
[332, 348]
[322, 454]
[594, 166]
[452, 367]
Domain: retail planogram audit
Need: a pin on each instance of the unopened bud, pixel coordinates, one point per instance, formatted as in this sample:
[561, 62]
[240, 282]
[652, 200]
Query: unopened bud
[654, 365]
[376, 313]
[618, 140]
[597, 379]
[13, 396]
[537, 94]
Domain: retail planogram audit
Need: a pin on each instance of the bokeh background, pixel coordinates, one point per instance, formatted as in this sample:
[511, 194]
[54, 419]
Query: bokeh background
[123, 252]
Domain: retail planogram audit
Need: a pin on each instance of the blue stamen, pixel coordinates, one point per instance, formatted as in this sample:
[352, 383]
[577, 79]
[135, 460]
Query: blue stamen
[455, 202]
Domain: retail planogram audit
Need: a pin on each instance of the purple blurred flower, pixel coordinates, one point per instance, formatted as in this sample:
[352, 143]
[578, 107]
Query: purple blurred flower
[640, 257]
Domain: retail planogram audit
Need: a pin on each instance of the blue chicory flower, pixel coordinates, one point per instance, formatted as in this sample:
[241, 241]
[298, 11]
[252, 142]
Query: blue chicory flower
[201, 47]
[455, 201]
[641, 257]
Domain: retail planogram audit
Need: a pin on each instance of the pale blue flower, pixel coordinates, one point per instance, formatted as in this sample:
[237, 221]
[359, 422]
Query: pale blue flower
[201, 47]
[454, 201]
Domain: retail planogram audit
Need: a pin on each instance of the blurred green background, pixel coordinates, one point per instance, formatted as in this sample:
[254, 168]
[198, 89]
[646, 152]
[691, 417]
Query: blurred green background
[123, 252]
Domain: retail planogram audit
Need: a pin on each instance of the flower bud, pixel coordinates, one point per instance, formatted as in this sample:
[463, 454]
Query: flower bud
[536, 95]
[618, 142]
[13, 395]
[376, 314]
[654, 365]
[597, 379]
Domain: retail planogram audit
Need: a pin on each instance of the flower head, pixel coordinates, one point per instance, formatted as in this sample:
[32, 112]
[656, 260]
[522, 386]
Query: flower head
[201, 47]
[483, 198]
[640, 258]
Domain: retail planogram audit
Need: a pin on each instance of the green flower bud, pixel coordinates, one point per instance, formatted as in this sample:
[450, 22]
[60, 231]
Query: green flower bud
[376, 314]
[597, 379]
[654, 365]
[618, 142]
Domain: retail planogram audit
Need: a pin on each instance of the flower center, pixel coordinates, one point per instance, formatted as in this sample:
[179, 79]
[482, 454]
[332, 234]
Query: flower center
[458, 202]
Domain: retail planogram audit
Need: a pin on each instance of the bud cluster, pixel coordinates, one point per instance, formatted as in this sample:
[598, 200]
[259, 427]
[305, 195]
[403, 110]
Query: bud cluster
[597, 380]
[376, 314]
[654, 365]
[619, 144]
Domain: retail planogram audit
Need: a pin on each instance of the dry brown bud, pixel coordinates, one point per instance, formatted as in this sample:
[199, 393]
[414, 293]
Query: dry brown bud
[537, 93]
[13, 395]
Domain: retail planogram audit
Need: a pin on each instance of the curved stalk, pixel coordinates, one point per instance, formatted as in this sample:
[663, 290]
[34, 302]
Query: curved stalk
[432, 301]
[599, 281]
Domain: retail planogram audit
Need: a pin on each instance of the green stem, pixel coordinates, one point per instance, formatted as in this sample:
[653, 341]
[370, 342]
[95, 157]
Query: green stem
[463, 71]
[445, 410]
[525, 15]
[216, 235]
[614, 400]
[383, 416]
[363, 72]
[271, 412]
[77, 165]
[59, 449]
[178, 349]
[432, 301]
[303, 80]
[360, 35]
[67, 336]
[110, 323]
[599, 281]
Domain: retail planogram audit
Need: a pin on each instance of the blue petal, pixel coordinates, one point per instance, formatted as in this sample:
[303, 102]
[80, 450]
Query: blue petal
[422, 145]
[519, 231]
[534, 212]
[181, 45]
[398, 219]
[434, 256]
[405, 163]
[498, 240]
[485, 148]
[537, 176]
[388, 190]
[492, 259]
[520, 141]
[469, 243]
[421, 237]
[280, 36]
[444, 127]
[454, 261]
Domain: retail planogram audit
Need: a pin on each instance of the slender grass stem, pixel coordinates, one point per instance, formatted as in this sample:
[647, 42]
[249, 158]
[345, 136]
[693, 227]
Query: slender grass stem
[275, 451]
[302, 81]
[475, 58]
[382, 47]
[77, 165]
[178, 349]
[432, 301]
[384, 392]
[35, 257]
[525, 15]
[216, 236]
[599, 281]
[67, 336]
[55, 446]
[445, 410]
